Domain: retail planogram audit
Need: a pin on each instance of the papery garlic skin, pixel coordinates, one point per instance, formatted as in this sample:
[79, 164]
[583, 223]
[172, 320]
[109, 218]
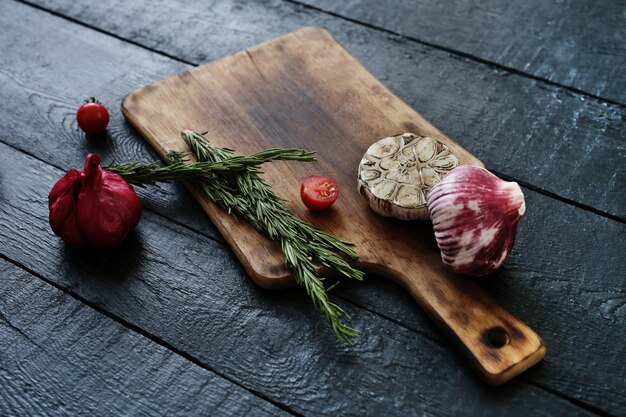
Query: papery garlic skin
[475, 216]
[94, 208]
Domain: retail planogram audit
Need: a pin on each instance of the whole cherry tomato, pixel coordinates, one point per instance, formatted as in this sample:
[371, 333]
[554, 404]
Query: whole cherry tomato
[92, 117]
[318, 193]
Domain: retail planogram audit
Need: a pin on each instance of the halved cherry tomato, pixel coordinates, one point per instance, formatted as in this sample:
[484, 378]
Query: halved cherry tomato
[318, 193]
[92, 117]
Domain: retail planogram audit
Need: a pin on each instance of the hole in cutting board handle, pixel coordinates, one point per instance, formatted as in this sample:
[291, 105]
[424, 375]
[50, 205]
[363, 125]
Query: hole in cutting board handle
[497, 337]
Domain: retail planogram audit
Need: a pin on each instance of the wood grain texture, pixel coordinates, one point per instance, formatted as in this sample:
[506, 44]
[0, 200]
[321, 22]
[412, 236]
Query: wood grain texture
[303, 90]
[506, 120]
[59, 357]
[191, 293]
[573, 43]
[578, 308]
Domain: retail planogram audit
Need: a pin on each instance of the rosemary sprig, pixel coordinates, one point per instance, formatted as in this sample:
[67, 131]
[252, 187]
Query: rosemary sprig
[248, 196]
[149, 174]
[233, 182]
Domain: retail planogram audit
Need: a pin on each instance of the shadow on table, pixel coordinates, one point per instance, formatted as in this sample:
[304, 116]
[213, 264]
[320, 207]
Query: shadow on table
[104, 272]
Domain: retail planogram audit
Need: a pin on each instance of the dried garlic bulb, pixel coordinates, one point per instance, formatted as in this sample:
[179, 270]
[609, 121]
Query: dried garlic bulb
[397, 172]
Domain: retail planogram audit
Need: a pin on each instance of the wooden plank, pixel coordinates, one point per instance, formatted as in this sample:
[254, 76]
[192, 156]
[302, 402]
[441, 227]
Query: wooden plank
[574, 43]
[303, 90]
[49, 110]
[191, 293]
[59, 357]
[528, 130]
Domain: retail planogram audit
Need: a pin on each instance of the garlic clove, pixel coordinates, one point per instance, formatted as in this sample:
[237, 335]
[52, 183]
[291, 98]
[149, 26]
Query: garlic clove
[475, 216]
[61, 200]
[397, 172]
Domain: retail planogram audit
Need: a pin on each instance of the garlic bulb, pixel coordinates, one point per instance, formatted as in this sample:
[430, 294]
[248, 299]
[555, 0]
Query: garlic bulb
[94, 208]
[475, 215]
[397, 172]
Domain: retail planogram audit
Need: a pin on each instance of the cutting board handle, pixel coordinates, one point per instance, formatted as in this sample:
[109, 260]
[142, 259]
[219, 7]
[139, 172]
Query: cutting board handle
[498, 345]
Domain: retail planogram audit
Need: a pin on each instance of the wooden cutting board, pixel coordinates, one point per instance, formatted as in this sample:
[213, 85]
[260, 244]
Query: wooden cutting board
[304, 90]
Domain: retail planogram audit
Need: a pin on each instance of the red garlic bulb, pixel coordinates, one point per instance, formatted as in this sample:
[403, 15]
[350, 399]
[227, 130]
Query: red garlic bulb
[94, 208]
[475, 215]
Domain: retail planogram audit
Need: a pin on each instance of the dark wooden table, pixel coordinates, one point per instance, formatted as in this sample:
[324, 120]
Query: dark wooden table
[171, 325]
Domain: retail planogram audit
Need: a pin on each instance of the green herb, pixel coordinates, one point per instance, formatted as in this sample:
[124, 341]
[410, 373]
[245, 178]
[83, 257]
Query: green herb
[149, 174]
[234, 183]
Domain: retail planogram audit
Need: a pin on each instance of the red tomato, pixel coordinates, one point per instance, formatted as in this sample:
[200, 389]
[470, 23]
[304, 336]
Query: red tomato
[318, 193]
[92, 117]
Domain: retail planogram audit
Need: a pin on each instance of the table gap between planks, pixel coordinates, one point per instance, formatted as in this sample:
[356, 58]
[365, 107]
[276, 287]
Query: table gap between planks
[394, 319]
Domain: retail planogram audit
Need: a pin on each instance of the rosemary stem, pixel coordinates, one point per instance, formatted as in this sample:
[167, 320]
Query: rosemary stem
[150, 174]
